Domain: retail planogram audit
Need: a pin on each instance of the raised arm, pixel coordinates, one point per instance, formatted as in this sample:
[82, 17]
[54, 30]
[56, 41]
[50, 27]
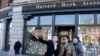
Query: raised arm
[42, 41]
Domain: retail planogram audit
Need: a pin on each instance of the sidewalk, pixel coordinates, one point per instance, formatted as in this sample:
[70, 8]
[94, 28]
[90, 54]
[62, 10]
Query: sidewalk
[8, 54]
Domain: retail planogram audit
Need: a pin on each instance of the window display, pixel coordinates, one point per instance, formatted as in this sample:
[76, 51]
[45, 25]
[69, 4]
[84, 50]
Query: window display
[89, 35]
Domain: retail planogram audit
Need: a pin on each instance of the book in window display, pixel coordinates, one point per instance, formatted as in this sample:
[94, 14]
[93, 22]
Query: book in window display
[70, 34]
[45, 34]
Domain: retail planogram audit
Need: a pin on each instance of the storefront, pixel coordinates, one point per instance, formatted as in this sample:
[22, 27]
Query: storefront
[81, 18]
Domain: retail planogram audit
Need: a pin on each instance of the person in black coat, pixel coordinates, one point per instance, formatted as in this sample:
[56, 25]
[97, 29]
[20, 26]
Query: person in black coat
[52, 46]
[17, 47]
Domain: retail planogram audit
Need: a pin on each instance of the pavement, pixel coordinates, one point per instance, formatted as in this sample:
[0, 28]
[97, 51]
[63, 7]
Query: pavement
[9, 54]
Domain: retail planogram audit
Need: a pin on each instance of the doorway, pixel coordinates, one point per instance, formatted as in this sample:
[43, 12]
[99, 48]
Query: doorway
[7, 38]
[65, 30]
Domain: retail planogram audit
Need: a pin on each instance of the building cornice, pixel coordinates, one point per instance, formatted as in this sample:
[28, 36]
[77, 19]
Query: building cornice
[5, 9]
[35, 3]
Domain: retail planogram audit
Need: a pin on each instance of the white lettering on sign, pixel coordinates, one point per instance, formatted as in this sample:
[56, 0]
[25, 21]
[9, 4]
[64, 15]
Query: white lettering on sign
[91, 3]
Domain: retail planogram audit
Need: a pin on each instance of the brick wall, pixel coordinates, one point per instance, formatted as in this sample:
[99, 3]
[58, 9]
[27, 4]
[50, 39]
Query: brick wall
[5, 3]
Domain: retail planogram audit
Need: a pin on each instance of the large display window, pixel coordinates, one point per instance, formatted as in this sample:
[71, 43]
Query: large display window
[89, 34]
[90, 37]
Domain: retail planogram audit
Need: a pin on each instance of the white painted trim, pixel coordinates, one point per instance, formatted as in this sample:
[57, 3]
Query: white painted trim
[27, 3]
[5, 9]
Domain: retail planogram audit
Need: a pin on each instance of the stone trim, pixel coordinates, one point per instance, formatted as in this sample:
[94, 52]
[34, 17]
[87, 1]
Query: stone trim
[5, 9]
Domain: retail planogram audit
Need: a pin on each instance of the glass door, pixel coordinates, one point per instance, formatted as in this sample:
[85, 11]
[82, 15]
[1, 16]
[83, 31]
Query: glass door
[65, 30]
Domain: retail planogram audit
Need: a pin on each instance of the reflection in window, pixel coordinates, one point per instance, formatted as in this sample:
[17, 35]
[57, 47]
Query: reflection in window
[89, 35]
[86, 19]
[65, 19]
[33, 46]
[46, 20]
[98, 19]
[32, 21]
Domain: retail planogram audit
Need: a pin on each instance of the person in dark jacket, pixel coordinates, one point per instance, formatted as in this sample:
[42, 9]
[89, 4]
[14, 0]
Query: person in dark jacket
[78, 46]
[17, 47]
[52, 46]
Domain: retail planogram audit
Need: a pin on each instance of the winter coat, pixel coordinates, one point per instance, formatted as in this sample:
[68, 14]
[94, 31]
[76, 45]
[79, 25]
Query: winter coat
[50, 48]
[78, 49]
[70, 50]
[17, 46]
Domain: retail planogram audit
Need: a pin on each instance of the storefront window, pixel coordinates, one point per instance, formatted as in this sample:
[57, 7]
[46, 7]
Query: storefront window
[86, 19]
[46, 20]
[90, 36]
[33, 46]
[65, 19]
[32, 21]
[98, 18]
[10, 13]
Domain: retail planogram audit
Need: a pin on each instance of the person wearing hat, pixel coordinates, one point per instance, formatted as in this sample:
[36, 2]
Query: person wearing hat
[78, 46]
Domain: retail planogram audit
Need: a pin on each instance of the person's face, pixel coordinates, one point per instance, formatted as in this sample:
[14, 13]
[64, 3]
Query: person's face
[55, 39]
[64, 40]
[75, 40]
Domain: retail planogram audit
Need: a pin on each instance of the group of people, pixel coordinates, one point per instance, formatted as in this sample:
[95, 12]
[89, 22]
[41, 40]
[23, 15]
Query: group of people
[64, 48]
